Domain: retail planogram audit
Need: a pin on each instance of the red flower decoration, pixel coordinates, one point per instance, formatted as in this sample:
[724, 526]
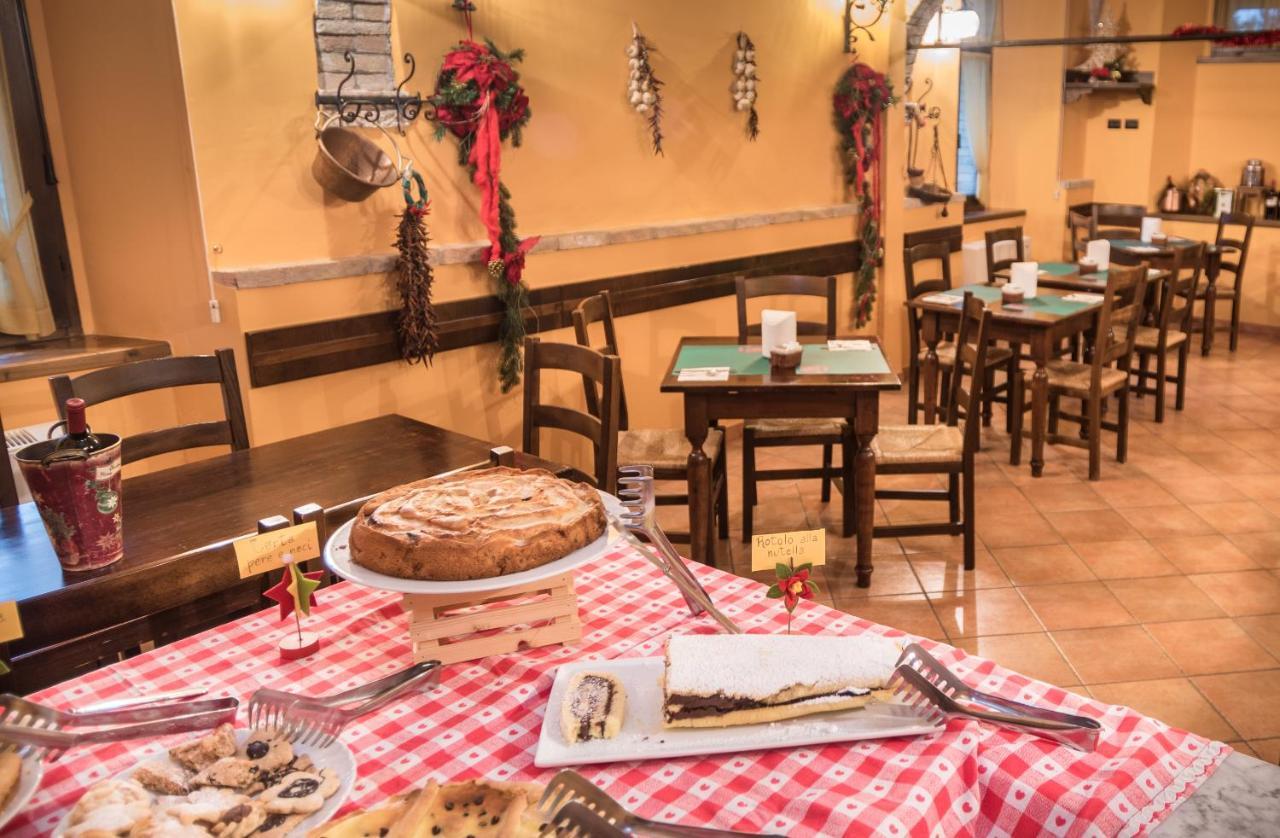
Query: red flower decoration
[793, 585]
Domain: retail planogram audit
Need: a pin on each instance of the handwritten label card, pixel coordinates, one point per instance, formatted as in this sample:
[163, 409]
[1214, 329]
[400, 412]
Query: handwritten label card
[262, 553]
[793, 548]
[10, 623]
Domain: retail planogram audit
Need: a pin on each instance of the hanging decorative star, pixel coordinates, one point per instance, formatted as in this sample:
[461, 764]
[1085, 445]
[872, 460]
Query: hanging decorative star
[295, 591]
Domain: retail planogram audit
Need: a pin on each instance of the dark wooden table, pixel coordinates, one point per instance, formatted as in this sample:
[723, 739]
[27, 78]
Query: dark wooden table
[179, 523]
[852, 397]
[1039, 330]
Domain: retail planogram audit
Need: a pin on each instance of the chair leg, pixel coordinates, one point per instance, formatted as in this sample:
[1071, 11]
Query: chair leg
[1015, 428]
[1235, 317]
[1054, 410]
[1011, 374]
[1095, 438]
[748, 481]
[970, 514]
[953, 497]
[1143, 357]
[1161, 361]
[913, 392]
[722, 498]
[1207, 317]
[849, 497]
[988, 385]
[1180, 397]
[826, 473]
[1122, 420]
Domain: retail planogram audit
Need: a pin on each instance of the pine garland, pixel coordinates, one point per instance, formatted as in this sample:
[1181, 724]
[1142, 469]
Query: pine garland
[861, 96]
[480, 101]
[417, 327]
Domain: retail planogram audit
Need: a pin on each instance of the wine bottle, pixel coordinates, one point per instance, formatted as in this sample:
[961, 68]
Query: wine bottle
[78, 435]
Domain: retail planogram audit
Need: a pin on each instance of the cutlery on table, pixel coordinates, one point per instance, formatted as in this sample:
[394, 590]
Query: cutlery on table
[318, 721]
[639, 517]
[924, 683]
[139, 700]
[569, 790]
[574, 820]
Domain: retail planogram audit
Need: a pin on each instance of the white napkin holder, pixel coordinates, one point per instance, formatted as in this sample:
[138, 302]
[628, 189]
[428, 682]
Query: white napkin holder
[1022, 275]
[777, 328]
[1099, 251]
[1150, 226]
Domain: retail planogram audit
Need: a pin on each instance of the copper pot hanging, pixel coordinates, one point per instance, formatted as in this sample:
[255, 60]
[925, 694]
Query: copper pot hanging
[350, 165]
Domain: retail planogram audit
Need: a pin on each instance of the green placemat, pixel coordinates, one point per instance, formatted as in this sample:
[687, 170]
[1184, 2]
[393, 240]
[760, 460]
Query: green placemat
[1058, 268]
[986, 293]
[1045, 303]
[747, 360]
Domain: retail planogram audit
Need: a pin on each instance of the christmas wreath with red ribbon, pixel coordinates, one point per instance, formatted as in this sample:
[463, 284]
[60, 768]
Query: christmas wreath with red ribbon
[479, 100]
[1260, 38]
[862, 95]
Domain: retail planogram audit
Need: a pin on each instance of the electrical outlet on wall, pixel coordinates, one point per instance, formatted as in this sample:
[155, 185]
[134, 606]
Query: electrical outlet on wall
[1113, 124]
[1130, 124]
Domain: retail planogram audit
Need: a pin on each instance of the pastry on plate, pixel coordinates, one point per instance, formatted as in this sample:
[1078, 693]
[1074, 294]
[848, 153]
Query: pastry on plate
[717, 680]
[593, 707]
[475, 524]
[477, 808]
[10, 771]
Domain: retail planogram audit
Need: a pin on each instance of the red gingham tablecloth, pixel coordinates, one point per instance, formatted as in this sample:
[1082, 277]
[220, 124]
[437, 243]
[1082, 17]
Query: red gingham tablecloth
[484, 718]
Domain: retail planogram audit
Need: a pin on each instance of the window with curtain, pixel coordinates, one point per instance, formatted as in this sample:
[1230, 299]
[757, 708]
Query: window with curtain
[1247, 15]
[973, 121]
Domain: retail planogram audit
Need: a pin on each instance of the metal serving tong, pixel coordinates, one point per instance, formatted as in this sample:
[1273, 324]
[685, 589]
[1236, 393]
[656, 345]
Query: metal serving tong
[318, 721]
[577, 807]
[924, 683]
[32, 729]
[639, 518]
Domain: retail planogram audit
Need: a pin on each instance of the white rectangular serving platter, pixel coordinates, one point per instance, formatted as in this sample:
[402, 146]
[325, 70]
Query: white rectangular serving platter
[643, 736]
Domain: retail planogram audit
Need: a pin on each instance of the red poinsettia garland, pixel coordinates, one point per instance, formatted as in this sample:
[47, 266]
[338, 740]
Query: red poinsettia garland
[861, 97]
[1260, 38]
[480, 101]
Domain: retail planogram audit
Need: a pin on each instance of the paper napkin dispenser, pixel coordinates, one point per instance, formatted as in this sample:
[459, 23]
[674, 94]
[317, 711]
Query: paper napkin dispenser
[777, 328]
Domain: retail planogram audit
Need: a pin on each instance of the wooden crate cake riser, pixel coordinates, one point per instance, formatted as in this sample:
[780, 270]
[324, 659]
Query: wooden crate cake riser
[453, 628]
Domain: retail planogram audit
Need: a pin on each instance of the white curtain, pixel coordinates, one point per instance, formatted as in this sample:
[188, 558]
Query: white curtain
[975, 91]
[24, 305]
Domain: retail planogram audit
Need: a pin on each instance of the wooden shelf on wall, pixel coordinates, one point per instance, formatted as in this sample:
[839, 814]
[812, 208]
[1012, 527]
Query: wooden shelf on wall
[1144, 86]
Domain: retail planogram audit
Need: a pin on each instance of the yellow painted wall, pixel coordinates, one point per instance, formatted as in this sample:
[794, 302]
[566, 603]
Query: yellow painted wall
[1236, 117]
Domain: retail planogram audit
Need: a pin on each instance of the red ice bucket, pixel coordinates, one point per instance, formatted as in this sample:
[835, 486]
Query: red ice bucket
[78, 497]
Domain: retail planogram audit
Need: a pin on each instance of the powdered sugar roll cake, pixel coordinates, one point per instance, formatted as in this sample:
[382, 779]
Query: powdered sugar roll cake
[475, 524]
[715, 680]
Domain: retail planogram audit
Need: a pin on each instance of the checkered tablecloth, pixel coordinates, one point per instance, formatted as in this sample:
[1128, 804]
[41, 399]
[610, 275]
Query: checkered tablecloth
[483, 720]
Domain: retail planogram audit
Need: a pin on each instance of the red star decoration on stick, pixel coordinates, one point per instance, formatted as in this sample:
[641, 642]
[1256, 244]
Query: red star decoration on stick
[295, 590]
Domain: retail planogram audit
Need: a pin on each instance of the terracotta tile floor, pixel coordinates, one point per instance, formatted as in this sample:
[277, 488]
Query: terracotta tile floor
[1157, 587]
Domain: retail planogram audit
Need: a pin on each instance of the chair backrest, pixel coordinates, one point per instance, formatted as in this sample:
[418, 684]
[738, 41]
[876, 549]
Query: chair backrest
[917, 255]
[599, 309]
[1176, 297]
[994, 237]
[157, 374]
[972, 341]
[1083, 230]
[1126, 217]
[1118, 322]
[751, 287]
[598, 370]
[1239, 242]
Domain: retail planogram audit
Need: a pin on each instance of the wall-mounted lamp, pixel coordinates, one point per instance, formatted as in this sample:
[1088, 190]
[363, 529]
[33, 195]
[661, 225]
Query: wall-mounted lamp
[951, 26]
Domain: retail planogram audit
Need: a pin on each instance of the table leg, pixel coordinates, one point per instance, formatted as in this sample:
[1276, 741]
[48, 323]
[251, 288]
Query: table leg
[930, 333]
[701, 541]
[1039, 404]
[866, 421]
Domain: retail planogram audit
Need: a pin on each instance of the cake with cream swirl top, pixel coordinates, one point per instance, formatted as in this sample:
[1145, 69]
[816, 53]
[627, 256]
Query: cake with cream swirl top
[475, 524]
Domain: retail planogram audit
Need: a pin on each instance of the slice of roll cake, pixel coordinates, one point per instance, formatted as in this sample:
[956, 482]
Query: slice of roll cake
[717, 680]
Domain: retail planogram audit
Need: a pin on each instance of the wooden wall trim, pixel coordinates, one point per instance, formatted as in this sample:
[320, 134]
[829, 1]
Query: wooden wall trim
[953, 235]
[290, 353]
[267, 276]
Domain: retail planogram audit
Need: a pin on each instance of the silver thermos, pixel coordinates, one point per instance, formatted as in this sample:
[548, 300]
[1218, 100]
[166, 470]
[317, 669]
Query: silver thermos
[1253, 174]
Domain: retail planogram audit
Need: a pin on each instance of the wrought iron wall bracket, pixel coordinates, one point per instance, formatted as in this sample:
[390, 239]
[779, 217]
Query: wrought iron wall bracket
[369, 106]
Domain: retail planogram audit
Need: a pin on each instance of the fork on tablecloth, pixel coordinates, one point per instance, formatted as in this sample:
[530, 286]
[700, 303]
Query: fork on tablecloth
[31, 728]
[923, 682]
[318, 721]
[569, 790]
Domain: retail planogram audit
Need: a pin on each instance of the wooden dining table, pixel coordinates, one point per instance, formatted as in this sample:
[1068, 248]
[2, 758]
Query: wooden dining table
[180, 524]
[1040, 324]
[838, 385]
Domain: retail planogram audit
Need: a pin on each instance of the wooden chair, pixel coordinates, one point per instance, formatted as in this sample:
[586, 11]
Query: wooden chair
[999, 268]
[775, 433]
[998, 357]
[1225, 243]
[1172, 329]
[8, 480]
[141, 376]
[604, 372]
[1117, 221]
[666, 449]
[1083, 230]
[1106, 374]
[943, 449]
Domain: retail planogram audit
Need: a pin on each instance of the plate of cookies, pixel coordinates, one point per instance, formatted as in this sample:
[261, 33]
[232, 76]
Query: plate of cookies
[228, 783]
[473, 531]
[725, 693]
[19, 778]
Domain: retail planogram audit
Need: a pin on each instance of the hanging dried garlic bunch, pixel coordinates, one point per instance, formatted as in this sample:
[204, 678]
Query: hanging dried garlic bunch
[744, 83]
[642, 90]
